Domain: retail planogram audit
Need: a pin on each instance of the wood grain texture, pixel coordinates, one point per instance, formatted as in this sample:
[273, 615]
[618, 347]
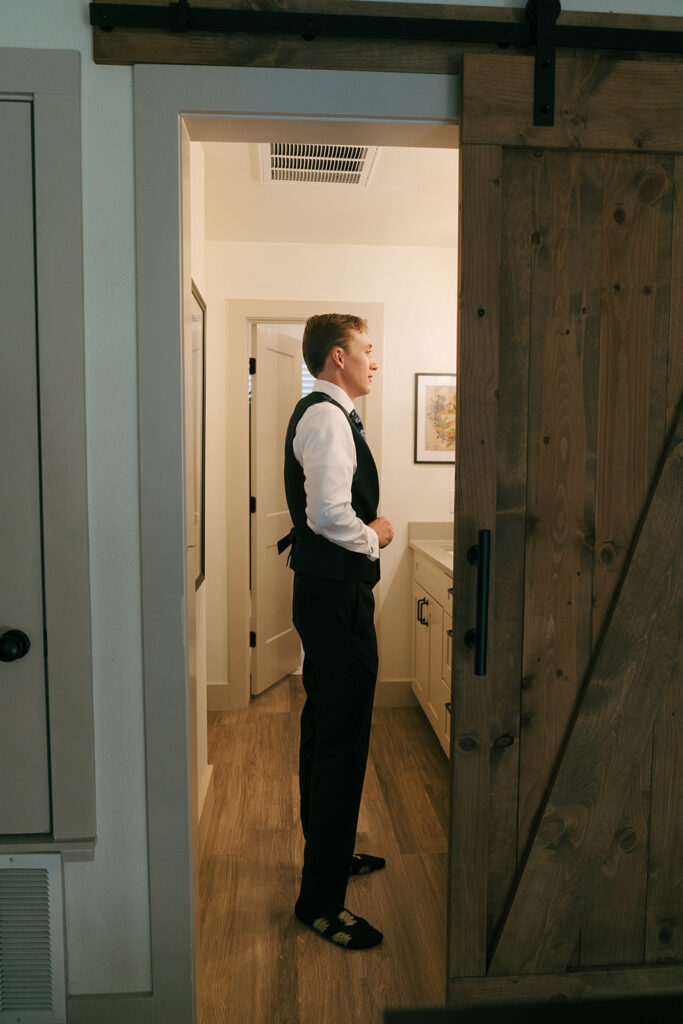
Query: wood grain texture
[664, 929]
[478, 376]
[599, 104]
[674, 388]
[664, 921]
[149, 46]
[574, 985]
[505, 655]
[565, 316]
[632, 416]
[260, 964]
[636, 659]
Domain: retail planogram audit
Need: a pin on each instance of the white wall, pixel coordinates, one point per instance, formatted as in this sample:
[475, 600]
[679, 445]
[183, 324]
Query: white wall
[664, 7]
[418, 287]
[107, 925]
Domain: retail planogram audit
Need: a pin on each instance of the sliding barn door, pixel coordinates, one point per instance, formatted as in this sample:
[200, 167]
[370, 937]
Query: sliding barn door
[567, 758]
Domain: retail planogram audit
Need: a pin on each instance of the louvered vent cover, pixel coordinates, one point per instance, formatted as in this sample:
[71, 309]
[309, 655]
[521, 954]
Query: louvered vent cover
[32, 972]
[318, 165]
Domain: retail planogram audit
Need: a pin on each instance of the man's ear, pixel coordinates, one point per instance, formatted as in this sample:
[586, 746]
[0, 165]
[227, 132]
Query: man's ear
[338, 356]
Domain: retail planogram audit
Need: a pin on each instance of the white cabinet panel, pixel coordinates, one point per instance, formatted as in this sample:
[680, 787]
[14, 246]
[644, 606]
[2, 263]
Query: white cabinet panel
[432, 645]
[24, 777]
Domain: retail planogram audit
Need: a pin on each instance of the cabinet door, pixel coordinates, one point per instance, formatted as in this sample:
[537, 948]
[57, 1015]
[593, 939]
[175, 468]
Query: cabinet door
[447, 673]
[24, 769]
[435, 697]
[420, 644]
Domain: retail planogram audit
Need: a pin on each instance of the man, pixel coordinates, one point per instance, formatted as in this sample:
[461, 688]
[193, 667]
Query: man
[332, 491]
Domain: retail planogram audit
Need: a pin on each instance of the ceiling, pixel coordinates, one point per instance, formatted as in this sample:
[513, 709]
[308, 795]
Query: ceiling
[411, 199]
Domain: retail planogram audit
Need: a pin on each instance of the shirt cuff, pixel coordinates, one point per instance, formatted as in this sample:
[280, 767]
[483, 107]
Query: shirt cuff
[373, 543]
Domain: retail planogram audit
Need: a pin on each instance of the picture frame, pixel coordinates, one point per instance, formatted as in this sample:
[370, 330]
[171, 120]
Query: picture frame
[198, 412]
[435, 405]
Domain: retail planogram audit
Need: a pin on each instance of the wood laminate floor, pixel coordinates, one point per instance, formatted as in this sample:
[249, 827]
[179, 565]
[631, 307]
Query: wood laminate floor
[259, 964]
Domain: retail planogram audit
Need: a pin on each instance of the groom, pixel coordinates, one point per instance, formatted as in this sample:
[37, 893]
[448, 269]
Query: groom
[332, 491]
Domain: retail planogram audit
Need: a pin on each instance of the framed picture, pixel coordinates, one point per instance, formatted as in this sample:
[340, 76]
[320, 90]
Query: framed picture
[198, 526]
[435, 417]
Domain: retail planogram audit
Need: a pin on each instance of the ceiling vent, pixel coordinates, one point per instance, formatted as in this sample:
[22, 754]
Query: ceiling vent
[291, 162]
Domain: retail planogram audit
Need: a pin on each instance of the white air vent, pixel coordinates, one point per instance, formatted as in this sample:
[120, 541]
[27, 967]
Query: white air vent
[317, 165]
[32, 969]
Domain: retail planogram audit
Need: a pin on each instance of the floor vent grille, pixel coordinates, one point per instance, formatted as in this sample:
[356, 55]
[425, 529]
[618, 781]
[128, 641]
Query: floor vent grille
[318, 165]
[32, 971]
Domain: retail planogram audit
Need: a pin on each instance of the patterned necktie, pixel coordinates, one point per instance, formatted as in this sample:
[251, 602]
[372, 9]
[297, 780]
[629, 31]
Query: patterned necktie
[358, 421]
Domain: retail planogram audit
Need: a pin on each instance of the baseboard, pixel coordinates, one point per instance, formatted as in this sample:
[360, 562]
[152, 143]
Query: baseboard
[218, 696]
[205, 808]
[394, 693]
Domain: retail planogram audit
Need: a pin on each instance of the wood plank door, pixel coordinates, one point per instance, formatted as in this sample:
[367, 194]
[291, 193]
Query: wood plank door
[566, 757]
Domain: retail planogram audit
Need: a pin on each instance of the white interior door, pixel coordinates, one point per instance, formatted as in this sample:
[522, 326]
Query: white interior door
[276, 387]
[24, 774]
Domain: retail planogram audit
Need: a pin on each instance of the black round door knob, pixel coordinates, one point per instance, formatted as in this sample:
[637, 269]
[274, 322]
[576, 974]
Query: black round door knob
[13, 645]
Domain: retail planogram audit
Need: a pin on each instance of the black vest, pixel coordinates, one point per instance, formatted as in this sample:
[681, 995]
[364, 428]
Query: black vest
[312, 554]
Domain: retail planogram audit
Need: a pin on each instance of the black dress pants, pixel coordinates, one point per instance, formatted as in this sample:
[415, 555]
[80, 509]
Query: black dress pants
[335, 620]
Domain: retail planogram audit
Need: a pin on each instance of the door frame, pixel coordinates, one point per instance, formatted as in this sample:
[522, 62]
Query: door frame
[214, 103]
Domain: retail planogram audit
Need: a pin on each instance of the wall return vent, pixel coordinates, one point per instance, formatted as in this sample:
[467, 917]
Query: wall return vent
[32, 965]
[316, 164]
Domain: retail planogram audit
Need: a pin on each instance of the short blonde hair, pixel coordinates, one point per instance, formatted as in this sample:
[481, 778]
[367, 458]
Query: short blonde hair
[323, 332]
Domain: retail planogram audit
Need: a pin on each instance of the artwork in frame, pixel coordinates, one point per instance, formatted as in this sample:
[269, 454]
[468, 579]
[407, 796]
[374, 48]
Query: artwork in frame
[435, 417]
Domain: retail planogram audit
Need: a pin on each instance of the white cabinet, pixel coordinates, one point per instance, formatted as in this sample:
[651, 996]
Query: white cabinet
[432, 642]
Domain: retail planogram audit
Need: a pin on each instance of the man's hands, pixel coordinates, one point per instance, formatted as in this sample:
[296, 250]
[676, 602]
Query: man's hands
[383, 529]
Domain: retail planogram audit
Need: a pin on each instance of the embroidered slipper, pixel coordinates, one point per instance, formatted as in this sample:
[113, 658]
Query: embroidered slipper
[363, 864]
[345, 929]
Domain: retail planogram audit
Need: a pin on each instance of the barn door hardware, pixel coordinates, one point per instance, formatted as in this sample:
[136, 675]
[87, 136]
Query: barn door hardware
[539, 31]
[477, 638]
[543, 15]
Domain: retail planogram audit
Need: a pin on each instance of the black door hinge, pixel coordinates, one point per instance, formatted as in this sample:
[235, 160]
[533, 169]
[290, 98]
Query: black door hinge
[252, 504]
[252, 365]
[252, 638]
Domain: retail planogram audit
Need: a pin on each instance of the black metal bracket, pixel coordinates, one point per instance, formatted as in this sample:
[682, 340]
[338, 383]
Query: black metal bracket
[543, 15]
[180, 16]
[540, 31]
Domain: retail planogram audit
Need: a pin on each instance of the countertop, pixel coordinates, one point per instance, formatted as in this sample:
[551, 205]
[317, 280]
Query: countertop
[439, 551]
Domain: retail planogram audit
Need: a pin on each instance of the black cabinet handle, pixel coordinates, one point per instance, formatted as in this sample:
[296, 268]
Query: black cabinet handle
[420, 605]
[450, 633]
[450, 591]
[449, 707]
[477, 638]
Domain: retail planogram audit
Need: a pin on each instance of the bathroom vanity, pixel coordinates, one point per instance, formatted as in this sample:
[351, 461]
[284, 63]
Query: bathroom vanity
[432, 604]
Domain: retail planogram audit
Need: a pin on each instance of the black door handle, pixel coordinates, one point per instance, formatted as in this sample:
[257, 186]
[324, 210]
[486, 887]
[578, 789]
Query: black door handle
[13, 645]
[477, 638]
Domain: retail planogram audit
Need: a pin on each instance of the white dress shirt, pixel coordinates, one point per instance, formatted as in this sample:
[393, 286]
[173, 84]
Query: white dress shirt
[324, 447]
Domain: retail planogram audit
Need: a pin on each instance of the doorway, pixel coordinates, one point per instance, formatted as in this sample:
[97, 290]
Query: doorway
[396, 240]
[416, 110]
